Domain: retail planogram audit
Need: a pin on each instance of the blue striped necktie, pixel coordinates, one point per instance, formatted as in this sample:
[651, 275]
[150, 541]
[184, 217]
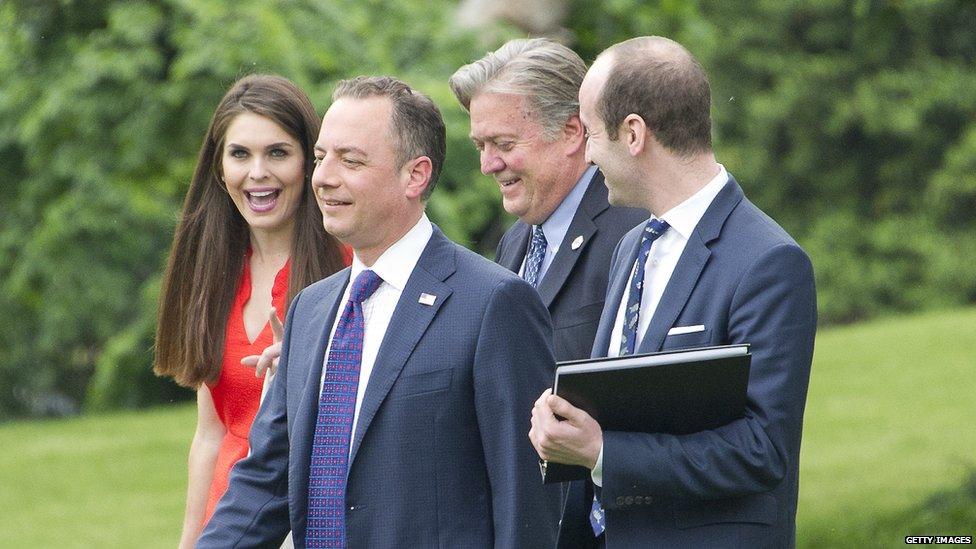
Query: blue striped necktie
[628, 338]
[333, 428]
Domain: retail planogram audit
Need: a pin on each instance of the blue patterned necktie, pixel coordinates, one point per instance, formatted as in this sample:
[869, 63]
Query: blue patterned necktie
[333, 428]
[628, 338]
[533, 260]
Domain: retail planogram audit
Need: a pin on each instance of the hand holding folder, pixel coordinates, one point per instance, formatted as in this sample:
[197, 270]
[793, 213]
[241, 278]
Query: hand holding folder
[674, 392]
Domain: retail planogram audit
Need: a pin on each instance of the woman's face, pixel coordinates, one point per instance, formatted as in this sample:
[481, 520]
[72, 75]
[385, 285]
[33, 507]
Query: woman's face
[264, 170]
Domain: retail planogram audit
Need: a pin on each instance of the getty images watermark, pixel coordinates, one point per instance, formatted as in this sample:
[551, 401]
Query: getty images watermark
[938, 540]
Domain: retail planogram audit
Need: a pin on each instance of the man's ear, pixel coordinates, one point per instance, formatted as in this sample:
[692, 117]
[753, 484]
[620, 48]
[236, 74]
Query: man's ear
[417, 172]
[573, 135]
[634, 131]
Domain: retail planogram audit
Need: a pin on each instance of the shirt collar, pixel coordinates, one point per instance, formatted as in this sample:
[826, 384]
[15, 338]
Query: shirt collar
[557, 225]
[684, 217]
[396, 264]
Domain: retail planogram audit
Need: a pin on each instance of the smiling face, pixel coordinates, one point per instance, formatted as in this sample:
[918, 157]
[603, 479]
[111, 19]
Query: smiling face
[610, 155]
[365, 198]
[530, 169]
[263, 169]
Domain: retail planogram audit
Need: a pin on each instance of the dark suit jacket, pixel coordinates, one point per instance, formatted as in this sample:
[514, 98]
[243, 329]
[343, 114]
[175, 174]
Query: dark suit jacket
[575, 284]
[440, 456]
[746, 281]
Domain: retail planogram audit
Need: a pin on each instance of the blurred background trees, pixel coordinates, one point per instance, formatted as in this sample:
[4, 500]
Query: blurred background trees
[853, 123]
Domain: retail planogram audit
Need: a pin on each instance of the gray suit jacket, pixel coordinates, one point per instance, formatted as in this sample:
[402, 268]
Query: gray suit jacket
[440, 456]
[575, 284]
[746, 281]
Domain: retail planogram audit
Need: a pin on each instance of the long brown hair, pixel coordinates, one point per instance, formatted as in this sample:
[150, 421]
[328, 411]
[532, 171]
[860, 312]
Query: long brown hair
[207, 258]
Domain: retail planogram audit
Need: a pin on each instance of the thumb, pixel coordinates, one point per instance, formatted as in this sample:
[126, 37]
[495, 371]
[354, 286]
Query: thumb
[561, 407]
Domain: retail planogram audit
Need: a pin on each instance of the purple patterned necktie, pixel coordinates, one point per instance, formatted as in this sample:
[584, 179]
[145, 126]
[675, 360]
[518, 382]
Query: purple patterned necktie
[628, 339]
[333, 428]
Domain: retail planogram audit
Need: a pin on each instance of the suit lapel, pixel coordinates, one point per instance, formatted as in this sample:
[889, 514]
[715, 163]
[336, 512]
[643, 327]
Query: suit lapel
[512, 255]
[408, 324]
[593, 203]
[619, 281]
[686, 273]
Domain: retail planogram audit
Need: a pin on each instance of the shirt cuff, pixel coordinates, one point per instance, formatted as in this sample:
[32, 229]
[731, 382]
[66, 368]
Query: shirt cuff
[597, 473]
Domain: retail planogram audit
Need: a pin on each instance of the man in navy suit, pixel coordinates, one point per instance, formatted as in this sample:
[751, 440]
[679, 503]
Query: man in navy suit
[708, 268]
[450, 350]
[524, 107]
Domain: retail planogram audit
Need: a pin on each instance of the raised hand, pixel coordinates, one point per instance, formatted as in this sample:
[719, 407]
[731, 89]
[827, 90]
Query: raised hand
[268, 359]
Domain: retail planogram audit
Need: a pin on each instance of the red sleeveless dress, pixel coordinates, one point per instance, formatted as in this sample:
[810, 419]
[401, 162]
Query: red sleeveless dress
[237, 392]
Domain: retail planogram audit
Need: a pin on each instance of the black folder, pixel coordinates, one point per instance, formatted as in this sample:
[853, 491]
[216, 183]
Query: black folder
[673, 392]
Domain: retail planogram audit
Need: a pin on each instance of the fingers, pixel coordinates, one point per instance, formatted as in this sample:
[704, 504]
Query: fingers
[269, 358]
[537, 433]
[266, 361]
[562, 408]
[276, 328]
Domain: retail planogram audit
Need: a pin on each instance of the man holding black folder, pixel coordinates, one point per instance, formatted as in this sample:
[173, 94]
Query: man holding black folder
[708, 268]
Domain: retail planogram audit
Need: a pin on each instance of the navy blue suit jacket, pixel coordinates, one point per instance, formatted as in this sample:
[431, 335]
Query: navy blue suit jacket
[440, 456]
[575, 284]
[746, 281]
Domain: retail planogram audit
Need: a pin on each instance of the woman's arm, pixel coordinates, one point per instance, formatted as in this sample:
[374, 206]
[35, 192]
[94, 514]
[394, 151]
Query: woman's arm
[203, 457]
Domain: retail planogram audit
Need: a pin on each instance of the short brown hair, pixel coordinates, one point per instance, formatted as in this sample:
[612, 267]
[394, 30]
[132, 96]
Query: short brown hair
[418, 128]
[671, 94]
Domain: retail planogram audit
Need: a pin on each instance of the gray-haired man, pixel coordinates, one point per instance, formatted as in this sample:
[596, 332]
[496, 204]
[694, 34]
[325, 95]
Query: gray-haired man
[524, 107]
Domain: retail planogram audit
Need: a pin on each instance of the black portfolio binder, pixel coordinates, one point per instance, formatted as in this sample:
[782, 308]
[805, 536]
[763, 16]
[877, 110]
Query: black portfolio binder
[674, 392]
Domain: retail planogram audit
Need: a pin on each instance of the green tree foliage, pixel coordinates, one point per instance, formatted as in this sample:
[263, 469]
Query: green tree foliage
[851, 122]
[103, 106]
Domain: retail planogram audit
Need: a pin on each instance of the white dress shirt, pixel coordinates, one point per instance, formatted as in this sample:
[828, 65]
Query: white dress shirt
[394, 267]
[663, 258]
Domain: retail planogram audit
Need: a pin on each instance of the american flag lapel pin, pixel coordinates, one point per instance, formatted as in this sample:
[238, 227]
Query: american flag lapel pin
[427, 299]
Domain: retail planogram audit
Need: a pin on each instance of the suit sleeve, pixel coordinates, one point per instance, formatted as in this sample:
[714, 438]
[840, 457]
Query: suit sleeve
[773, 308]
[513, 365]
[254, 510]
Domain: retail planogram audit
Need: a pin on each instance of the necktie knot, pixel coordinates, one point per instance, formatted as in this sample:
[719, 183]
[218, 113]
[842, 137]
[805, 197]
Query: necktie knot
[365, 284]
[538, 234]
[655, 228]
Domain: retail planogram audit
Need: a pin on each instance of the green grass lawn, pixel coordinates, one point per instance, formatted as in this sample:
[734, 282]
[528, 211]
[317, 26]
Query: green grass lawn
[889, 450]
[115, 480]
[890, 432]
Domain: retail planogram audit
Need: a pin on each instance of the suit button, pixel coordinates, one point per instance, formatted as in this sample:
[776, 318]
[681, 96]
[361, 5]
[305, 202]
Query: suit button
[648, 500]
[629, 500]
[638, 500]
[620, 500]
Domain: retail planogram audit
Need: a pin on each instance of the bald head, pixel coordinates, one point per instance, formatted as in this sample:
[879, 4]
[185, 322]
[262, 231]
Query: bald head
[660, 81]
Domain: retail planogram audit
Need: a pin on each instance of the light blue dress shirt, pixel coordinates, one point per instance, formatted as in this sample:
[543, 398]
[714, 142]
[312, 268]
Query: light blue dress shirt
[556, 226]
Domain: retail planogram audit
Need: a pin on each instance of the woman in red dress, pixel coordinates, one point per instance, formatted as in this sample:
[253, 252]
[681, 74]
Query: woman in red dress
[249, 239]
